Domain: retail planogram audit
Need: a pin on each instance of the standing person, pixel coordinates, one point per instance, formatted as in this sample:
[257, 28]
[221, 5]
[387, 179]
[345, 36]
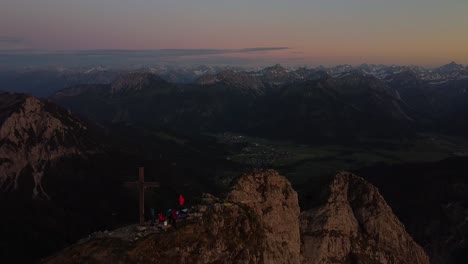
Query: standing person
[161, 217]
[181, 201]
[168, 214]
[174, 218]
[153, 216]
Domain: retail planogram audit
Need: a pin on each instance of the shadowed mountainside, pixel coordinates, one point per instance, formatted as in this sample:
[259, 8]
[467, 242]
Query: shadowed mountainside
[61, 177]
[431, 200]
[321, 107]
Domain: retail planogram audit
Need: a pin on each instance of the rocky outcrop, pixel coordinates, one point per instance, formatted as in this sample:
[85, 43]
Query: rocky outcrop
[259, 223]
[34, 133]
[224, 234]
[276, 204]
[355, 225]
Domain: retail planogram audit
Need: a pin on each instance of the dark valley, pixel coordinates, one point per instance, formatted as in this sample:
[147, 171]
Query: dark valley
[66, 159]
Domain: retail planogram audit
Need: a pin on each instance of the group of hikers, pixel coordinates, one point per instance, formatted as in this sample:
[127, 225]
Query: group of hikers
[172, 215]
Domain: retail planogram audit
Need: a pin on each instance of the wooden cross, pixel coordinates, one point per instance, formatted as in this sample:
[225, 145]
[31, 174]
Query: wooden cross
[142, 185]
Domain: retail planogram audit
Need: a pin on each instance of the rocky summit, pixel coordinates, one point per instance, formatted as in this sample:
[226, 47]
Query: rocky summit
[355, 225]
[34, 133]
[275, 203]
[259, 222]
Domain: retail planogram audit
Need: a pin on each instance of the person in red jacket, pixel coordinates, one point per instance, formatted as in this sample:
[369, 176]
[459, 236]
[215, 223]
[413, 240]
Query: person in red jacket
[181, 201]
[161, 217]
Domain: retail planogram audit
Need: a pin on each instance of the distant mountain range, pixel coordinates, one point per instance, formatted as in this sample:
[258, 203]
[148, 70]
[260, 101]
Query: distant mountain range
[44, 81]
[303, 104]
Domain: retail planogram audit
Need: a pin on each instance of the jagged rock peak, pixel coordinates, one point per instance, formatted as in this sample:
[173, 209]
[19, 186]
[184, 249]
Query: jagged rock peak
[451, 67]
[355, 225]
[453, 64]
[136, 81]
[271, 196]
[34, 133]
[275, 68]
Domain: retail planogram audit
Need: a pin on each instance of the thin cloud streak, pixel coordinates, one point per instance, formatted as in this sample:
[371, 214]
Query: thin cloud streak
[10, 40]
[23, 58]
[157, 52]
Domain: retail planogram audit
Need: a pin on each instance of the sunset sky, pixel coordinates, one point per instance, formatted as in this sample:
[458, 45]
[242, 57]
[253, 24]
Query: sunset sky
[426, 32]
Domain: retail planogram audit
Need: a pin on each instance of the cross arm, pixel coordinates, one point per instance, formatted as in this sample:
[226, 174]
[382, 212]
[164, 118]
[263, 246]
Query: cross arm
[151, 184]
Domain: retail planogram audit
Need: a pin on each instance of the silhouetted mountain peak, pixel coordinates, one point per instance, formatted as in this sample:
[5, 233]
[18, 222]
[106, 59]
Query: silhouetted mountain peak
[277, 68]
[233, 79]
[451, 67]
[135, 82]
[404, 79]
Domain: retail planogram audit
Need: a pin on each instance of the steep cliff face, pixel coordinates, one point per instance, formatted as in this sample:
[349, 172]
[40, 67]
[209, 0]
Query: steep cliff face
[355, 225]
[34, 134]
[275, 202]
[431, 199]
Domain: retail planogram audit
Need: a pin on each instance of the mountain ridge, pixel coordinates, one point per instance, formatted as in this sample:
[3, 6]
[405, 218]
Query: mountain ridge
[233, 101]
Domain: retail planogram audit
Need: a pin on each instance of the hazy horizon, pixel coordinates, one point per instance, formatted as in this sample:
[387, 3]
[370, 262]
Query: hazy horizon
[247, 57]
[297, 32]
